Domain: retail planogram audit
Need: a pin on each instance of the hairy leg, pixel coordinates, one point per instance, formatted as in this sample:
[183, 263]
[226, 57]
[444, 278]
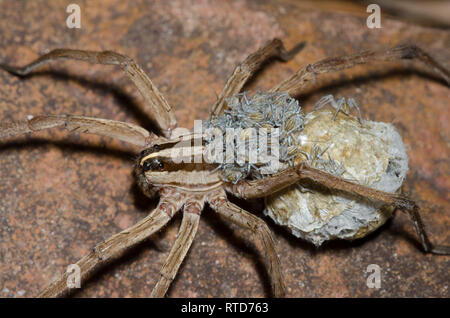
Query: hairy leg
[103, 127]
[242, 72]
[156, 107]
[263, 237]
[116, 245]
[263, 187]
[251, 189]
[299, 81]
[185, 237]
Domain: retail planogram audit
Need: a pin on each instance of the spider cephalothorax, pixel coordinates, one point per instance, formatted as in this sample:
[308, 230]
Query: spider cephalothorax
[183, 183]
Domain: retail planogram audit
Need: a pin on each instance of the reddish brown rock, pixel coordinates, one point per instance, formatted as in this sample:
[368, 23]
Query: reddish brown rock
[63, 194]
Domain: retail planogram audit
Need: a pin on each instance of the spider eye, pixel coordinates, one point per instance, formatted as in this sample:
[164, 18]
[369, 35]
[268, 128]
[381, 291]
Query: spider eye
[152, 165]
[159, 164]
[146, 166]
[148, 151]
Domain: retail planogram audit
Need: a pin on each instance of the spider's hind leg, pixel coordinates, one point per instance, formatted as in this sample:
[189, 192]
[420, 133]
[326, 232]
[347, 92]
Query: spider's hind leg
[259, 188]
[298, 82]
[399, 202]
[423, 236]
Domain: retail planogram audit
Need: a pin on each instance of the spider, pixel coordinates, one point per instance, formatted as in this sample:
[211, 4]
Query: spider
[189, 186]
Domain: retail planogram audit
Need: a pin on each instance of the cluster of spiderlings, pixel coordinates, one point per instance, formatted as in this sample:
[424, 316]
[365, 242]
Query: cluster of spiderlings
[316, 159]
[262, 110]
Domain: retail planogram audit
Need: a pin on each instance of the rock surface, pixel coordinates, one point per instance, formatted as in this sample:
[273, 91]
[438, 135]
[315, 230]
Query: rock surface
[63, 194]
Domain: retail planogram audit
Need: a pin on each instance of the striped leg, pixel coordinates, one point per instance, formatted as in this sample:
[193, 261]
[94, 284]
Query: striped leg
[156, 106]
[185, 237]
[116, 245]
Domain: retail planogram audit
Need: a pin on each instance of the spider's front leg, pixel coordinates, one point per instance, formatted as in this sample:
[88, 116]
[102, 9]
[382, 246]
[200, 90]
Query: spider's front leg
[263, 237]
[271, 184]
[104, 127]
[156, 107]
[118, 244]
[245, 70]
[189, 225]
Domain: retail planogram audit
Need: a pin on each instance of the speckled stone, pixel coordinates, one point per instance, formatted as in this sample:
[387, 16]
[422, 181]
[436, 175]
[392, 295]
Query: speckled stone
[61, 194]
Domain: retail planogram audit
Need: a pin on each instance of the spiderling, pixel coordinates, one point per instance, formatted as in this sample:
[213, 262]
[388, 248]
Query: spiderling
[279, 114]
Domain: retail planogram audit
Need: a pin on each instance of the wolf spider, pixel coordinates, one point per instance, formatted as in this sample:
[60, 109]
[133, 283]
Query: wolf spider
[180, 188]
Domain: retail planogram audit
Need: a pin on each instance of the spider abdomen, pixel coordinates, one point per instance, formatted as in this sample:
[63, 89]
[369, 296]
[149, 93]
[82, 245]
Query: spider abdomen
[371, 154]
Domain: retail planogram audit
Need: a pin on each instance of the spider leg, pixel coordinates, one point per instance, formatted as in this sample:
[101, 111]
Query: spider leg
[116, 245]
[421, 232]
[352, 104]
[251, 189]
[263, 237]
[339, 105]
[329, 99]
[116, 129]
[298, 81]
[156, 107]
[245, 70]
[397, 201]
[263, 187]
[185, 237]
